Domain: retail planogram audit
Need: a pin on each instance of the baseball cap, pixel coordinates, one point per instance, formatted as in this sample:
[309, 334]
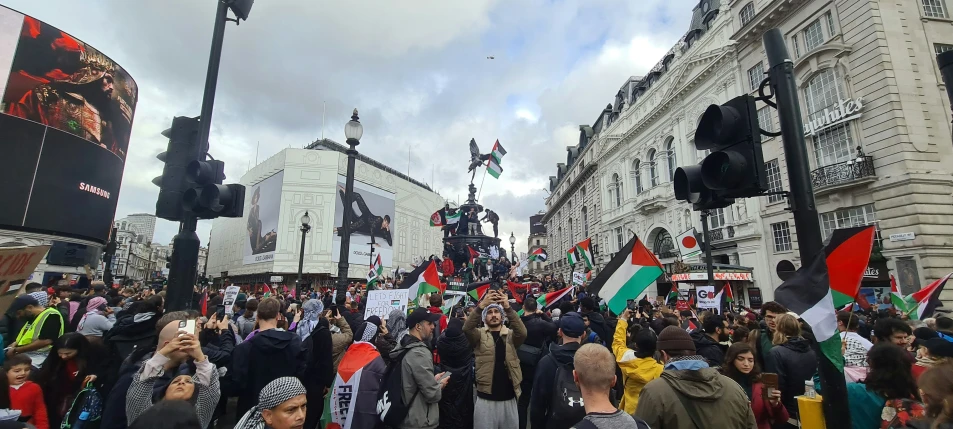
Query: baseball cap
[922, 335]
[22, 302]
[421, 314]
[938, 347]
[572, 324]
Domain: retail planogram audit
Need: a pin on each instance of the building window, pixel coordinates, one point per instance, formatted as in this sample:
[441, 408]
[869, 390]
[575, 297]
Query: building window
[847, 218]
[797, 49]
[571, 237]
[672, 164]
[782, 237]
[934, 9]
[637, 175]
[585, 222]
[537, 242]
[773, 170]
[755, 76]
[834, 144]
[832, 30]
[717, 218]
[940, 48]
[619, 239]
[813, 35]
[653, 170]
[765, 121]
[746, 14]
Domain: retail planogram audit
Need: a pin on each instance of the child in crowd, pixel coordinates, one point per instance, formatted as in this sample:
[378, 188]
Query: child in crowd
[25, 395]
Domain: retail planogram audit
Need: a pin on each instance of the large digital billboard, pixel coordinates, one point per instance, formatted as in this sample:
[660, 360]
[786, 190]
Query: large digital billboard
[261, 219]
[67, 113]
[372, 224]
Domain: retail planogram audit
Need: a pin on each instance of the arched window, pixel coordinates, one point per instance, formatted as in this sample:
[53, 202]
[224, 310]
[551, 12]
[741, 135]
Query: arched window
[672, 164]
[664, 246]
[637, 175]
[653, 169]
[617, 188]
[834, 144]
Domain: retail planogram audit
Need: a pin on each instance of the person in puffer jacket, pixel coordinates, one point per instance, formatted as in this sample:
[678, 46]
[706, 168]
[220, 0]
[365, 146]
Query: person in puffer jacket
[793, 360]
[354, 395]
[638, 366]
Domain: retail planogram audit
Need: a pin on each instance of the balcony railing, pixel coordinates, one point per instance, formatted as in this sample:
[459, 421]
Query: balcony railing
[716, 234]
[843, 172]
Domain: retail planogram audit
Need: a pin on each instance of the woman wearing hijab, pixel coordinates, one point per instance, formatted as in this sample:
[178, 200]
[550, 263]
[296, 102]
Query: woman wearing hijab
[97, 321]
[312, 310]
[281, 405]
[397, 326]
[456, 357]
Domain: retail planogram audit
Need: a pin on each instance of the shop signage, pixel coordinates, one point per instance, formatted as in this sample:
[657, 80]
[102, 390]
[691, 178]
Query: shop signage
[903, 236]
[704, 276]
[844, 111]
[754, 295]
[876, 271]
[277, 279]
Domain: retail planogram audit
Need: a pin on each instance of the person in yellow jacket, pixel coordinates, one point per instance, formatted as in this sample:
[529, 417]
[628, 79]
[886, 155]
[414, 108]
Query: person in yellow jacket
[638, 366]
[43, 326]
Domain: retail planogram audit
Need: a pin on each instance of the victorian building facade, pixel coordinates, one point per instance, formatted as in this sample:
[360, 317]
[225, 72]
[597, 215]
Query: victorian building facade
[877, 126]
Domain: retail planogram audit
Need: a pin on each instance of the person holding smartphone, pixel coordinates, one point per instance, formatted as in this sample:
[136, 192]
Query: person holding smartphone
[99, 319]
[762, 389]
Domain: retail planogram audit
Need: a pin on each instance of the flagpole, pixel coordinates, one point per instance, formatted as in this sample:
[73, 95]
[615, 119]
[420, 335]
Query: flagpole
[481, 185]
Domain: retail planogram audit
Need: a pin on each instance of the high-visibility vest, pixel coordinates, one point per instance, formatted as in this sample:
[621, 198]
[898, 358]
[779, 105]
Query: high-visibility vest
[31, 331]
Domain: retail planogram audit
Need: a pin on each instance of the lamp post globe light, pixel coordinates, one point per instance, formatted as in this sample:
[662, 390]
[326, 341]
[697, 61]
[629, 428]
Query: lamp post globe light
[305, 227]
[353, 131]
[512, 247]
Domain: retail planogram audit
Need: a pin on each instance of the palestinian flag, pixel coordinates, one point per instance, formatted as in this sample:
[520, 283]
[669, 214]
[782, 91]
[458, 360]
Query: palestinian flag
[582, 248]
[441, 218]
[477, 290]
[423, 279]
[672, 295]
[551, 298]
[473, 253]
[922, 303]
[849, 252]
[725, 292]
[571, 256]
[896, 298]
[498, 151]
[375, 274]
[691, 326]
[627, 275]
[493, 167]
[350, 379]
[538, 255]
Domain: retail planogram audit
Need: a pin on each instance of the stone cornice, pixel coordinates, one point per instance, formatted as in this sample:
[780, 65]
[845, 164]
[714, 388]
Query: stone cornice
[766, 19]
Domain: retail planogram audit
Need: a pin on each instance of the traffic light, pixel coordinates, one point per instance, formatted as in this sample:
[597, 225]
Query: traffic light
[207, 197]
[735, 166]
[183, 148]
[168, 261]
[690, 187]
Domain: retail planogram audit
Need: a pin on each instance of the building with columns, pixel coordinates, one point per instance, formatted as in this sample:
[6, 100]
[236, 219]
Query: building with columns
[877, 125]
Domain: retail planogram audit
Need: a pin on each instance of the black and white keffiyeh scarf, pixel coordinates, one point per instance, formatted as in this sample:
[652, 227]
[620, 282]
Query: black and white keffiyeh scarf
[271, 396]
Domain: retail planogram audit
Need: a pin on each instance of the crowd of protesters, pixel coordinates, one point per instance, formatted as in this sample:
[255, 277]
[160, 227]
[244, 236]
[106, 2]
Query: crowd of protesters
[114, 358]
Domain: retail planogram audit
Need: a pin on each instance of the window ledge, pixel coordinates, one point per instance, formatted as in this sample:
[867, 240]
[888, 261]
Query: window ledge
[930, 18]
[784, 252]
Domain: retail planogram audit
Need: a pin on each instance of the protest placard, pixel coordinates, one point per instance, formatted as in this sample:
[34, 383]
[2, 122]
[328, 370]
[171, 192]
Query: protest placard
[381, 302]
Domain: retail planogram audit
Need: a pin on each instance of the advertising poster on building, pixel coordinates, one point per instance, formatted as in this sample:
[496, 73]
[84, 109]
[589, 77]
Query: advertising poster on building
[372, 221]
[707, 297]
[261, 217]
[381, 302]
[61, 100]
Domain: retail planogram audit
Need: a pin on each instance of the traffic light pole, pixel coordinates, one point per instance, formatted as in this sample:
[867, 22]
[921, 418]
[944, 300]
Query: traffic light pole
[185, 245]
[708, 263]
[806, 222]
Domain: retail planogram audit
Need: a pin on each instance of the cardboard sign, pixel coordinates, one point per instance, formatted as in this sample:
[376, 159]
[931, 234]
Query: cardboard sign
[381, 302]
[578, 278]
[17, 263]
[706, 297]
[231, 293]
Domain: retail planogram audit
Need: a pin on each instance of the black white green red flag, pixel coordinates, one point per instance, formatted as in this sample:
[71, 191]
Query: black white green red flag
[538, 255]
[375, 274]
[551, 298]
[423, 279]
[582, 250]
[633, 269]
[922, 303]
[498, 152]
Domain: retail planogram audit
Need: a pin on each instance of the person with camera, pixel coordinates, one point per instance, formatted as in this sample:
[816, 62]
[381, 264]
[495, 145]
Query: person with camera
[498, 370]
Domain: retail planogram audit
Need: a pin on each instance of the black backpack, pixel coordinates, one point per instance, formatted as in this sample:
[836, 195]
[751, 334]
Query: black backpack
[566, 406]
[390, 404]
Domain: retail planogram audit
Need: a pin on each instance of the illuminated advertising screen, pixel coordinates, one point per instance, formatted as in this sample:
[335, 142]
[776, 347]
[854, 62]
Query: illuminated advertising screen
[67, 113]
[372, 224]
[261, 219]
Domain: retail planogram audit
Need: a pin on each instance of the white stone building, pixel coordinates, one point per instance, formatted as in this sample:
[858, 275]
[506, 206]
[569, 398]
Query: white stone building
[887, 160]
[143, 224]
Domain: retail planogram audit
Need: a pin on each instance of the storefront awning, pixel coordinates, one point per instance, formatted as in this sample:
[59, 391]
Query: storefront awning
[699, 272]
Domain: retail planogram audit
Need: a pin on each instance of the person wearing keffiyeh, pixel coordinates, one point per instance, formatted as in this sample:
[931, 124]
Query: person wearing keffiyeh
[281, 405]
[354, 396]
[312, 310]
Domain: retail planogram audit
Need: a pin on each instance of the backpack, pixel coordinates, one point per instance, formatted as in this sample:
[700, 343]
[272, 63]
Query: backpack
[89, 404]
[390, 405]
[566, 405]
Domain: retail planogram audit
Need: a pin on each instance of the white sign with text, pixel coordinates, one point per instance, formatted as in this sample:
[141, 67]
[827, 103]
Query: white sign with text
[706, 297]
[381, 302]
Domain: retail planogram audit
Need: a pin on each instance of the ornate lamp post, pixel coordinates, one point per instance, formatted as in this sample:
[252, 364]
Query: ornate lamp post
[353, 131]
[512, 247]
[305, 227]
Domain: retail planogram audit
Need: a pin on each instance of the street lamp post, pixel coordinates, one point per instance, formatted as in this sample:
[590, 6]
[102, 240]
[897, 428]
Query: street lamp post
[353, 131]
[305, 227]
[512, 247]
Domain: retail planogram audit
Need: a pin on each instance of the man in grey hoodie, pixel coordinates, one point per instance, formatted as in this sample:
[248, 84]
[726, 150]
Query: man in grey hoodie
[246, 322]
[422, 389]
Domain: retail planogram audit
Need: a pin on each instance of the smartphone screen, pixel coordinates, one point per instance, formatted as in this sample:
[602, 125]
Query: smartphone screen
[220, 311]
[770, 382]
[187, 326]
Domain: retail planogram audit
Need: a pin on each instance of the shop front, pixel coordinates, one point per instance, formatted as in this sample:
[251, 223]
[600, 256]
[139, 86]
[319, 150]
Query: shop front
[740, 279]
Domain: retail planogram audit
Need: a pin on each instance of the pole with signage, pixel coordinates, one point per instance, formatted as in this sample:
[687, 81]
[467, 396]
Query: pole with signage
[806, 220]
[708, 262]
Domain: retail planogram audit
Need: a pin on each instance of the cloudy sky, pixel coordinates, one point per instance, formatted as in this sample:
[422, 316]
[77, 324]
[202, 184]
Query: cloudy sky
[416, 69]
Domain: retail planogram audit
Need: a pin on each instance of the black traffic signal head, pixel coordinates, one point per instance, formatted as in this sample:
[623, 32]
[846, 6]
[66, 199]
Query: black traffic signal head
[183, 148]
[736, 164]
[214, 200]
[690, 187]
